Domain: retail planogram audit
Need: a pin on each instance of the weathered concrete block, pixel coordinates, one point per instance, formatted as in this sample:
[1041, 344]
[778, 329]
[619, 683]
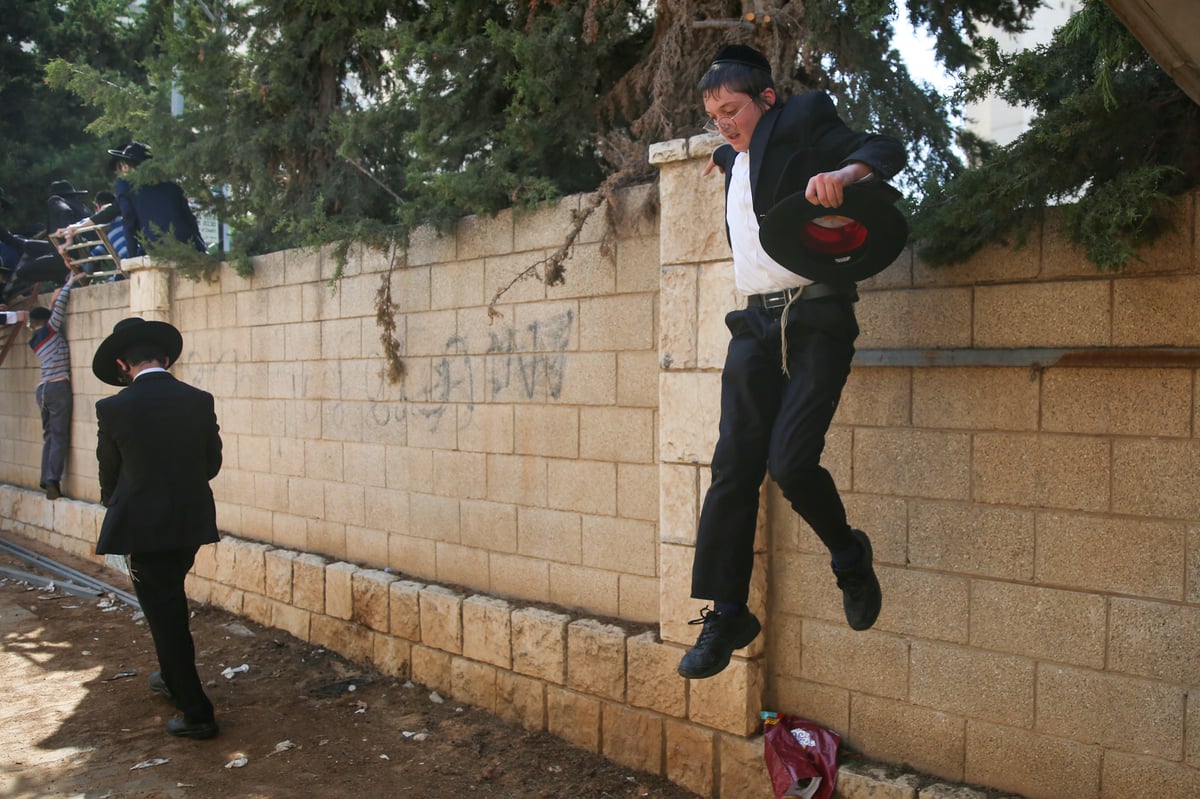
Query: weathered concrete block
[487, 630]
[256, 607]
[583, 486]
[921, 319]
[573, 717]
[1113, 554]
[873, 662]
[1154, 639]
[404, 609]
[392, 655]
[689, 416]
[1134, 402]
[632, 737]
[861, 781]
[1051, 768]
[441, 619]
[573, 586]
[741, 770]
[521, 699]
[431, 668]
[349, 640]
[691, 755]
[596, 659]
[292, 619]
[205, 564]
[1117, 712]
[473, 682]
[912, 463]
[371, 589]
[339, 590]
[731, 701]
[973, 683]
[277, 566]
[1127, 775]
[972, 539]
[898, 732]
[539, 644]
[975, 399]
[1146, 474]
[1038, 470]
[1041, 623]
[677, 315]
[652, 681]
[1147, 312]
[1066, 314]
[308, 582]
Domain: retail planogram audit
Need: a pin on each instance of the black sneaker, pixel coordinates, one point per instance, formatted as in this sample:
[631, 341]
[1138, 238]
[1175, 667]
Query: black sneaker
[718, 638]
[53, 491]
[181, 727]
[861, 597]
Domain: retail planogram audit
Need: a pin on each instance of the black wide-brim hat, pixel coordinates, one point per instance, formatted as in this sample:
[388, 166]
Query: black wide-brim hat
[125, 334]
[64, 188]
[135, 153]
[858, 239]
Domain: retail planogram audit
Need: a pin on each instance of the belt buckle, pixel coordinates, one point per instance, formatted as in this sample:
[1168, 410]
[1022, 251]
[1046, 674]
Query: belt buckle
[776, 299]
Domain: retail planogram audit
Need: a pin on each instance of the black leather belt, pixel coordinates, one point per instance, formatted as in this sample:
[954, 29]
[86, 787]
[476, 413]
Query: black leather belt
[814, 291]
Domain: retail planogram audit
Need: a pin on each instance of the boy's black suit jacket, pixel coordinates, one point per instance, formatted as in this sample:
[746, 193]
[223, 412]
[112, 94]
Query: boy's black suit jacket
[802, 137]
[157, 445]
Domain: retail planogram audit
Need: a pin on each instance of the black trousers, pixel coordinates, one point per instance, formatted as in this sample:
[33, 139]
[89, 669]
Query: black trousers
[158, 580]
[773, 421]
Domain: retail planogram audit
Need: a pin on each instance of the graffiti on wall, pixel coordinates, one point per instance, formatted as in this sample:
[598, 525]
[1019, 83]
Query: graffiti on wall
[515, 364]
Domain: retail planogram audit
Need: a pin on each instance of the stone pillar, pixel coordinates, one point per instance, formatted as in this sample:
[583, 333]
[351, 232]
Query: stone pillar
[696, 290]
[149, 288]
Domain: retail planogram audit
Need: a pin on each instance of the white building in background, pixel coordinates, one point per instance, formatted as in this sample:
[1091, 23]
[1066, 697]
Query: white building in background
[995, 119]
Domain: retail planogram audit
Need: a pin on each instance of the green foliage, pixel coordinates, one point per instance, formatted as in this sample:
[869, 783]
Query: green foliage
[43, 129]
[336, 120]
[1115, 138]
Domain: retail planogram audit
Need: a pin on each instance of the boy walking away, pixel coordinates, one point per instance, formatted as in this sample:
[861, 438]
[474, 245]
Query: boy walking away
[790, 351]
[157, 447]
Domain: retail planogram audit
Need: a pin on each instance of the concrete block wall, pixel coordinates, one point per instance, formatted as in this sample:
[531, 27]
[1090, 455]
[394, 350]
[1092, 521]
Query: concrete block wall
[1035, 527]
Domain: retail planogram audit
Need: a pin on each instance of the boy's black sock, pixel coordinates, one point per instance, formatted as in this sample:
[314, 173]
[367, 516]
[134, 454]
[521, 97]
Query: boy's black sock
[730, 609]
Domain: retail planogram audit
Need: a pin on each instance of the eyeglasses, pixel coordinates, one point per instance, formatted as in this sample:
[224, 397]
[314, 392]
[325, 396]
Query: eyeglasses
[726, 123]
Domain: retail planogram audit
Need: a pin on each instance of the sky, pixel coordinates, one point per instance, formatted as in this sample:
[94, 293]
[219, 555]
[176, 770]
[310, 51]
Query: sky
[916, 47]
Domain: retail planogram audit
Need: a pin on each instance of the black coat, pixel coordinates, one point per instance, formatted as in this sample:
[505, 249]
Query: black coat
[157, 445]
[150, 211]
[801, 137]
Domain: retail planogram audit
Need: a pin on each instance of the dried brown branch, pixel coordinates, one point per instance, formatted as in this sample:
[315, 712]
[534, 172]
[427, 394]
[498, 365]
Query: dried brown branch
[385, 318]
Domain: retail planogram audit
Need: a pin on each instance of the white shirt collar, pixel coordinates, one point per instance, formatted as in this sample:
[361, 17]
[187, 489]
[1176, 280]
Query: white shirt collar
[149, 370]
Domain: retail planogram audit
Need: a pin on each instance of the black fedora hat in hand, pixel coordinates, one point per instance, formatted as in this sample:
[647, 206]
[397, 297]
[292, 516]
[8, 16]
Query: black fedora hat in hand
[125, 334]
[852, 242]
[859, 238]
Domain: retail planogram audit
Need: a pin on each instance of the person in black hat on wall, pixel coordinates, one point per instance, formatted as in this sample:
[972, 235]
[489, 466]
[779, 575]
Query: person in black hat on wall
[790, 351]
[150, 210]
[40, 261]
[158, 446]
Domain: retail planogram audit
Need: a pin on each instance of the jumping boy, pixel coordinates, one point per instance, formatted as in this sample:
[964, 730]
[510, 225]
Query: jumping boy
[790, 351]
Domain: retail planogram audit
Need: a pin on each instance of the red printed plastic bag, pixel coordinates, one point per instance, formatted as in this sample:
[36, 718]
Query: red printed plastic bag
[801, 757]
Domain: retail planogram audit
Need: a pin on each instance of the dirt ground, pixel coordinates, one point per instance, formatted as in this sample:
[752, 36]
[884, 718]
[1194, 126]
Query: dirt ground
[79, 722]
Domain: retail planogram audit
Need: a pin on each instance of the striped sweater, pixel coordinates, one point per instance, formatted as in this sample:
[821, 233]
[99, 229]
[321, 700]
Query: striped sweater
[50, 344]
